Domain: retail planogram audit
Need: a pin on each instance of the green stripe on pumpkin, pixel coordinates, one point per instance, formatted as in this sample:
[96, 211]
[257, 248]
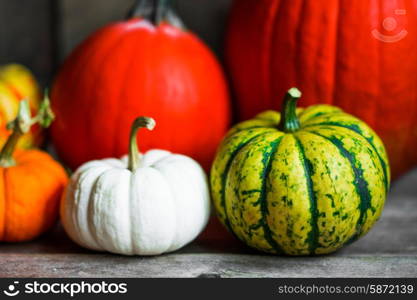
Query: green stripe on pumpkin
[337, 199]
[267, 163]
[361, 184]
[226, 172]
[357, 130]
[313, 235]
[243, 192]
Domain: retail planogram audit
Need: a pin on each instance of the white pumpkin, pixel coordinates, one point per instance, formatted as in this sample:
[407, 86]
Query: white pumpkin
[141, 204]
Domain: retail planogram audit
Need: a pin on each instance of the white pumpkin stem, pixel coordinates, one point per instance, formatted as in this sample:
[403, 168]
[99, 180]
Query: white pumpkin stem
[134, 154]
[21, 125]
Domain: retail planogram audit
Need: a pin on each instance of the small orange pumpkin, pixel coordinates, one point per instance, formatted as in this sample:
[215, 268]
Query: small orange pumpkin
[31, 182]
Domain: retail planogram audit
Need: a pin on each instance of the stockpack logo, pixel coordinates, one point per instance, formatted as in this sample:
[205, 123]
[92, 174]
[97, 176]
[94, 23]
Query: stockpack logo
[392, 28]
[12, 290]
[62, 288]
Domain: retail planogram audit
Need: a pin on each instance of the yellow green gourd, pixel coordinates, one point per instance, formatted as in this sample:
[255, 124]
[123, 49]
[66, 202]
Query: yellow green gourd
[307, 183]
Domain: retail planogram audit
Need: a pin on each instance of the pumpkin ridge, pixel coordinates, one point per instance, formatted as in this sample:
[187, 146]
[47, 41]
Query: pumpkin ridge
[109, 51]
[42, 174]
[318, 115]
[267, 162]
[298, 41]
[369, 140]
[268, 43]
[335, 70]
[7, 198]
[225, 175]
[251, 127]
[78, 82]
[313, 235]
[4, 206]
[75, 217]
[132, 244]
[66, 216]
[118, 111]
[361, 185]
[91, 207]
[10, 231]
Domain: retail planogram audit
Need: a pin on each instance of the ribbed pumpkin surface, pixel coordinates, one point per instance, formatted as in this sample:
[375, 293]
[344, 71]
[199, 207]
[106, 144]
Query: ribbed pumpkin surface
[306, 192]
[360, 55]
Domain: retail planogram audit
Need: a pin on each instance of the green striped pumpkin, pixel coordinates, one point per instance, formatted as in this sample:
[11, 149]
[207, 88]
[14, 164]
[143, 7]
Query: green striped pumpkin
[307, 184]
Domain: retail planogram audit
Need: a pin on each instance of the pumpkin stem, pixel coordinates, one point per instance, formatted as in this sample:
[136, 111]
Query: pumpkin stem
[134, 154]
[156, 12]
[45, 114]
[21, 125]
[289, 121]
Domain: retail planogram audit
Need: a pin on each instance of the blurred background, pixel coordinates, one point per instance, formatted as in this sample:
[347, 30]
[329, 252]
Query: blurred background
[40, 34]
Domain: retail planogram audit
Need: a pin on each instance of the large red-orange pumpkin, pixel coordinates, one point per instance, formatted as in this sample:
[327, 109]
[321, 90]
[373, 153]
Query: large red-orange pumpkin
[146, 65]
[360, 55]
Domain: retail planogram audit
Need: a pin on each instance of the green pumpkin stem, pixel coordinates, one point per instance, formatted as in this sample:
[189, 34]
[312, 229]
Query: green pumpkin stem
[289, 121]
[45, 114]
[21, 125]
[155, 11]
[134, 154]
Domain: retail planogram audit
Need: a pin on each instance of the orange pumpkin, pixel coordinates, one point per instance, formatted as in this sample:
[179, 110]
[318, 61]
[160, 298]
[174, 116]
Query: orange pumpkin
[31, 182]
[359, 55]
[18, 83]
[146, 65]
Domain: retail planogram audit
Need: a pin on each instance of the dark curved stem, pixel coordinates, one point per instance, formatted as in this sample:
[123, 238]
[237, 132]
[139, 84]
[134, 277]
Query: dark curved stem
[289, 120]
[160, 11]
[156, 11]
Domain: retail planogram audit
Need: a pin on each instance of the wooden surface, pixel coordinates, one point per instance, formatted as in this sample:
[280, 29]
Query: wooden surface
[389, 250]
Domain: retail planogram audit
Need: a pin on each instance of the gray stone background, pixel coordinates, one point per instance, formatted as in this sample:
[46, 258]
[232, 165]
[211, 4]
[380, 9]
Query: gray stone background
[41, 33]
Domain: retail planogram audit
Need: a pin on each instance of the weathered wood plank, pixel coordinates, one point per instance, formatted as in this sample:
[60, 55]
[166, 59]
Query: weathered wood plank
[208, 265]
